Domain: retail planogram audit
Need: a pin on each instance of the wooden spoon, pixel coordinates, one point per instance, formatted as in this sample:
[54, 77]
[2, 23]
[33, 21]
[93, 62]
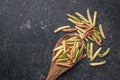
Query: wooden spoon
[55, 70]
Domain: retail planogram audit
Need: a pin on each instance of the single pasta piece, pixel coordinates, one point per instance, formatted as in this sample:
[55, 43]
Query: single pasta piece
[101, 31]
[105, 53]
[57, 54]
[96, 53]
[69, 30]
[74, 17]
[95, 39]
[94, 18]
[64, 45]
[63, 64]
[73, 21]
[89, 16]
[88, 50]
[91, 50]
[81, 16]
[62, 60]
[61, 28]
[82, 26]
[98, 63]
[58, 48]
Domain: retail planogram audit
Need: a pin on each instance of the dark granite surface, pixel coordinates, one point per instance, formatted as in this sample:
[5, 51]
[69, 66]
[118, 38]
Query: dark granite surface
[27, 38]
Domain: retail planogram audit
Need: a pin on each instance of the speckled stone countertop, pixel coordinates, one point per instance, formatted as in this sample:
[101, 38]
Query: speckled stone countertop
[27, 38]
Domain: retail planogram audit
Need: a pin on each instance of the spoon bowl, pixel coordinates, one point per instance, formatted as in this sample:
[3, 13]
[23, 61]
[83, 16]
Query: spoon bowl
[55, 70]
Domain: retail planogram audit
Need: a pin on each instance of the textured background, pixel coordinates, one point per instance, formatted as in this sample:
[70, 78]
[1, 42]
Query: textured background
[27, 38]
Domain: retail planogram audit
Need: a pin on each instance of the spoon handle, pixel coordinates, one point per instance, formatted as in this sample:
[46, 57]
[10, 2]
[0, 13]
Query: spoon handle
[55, 72]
